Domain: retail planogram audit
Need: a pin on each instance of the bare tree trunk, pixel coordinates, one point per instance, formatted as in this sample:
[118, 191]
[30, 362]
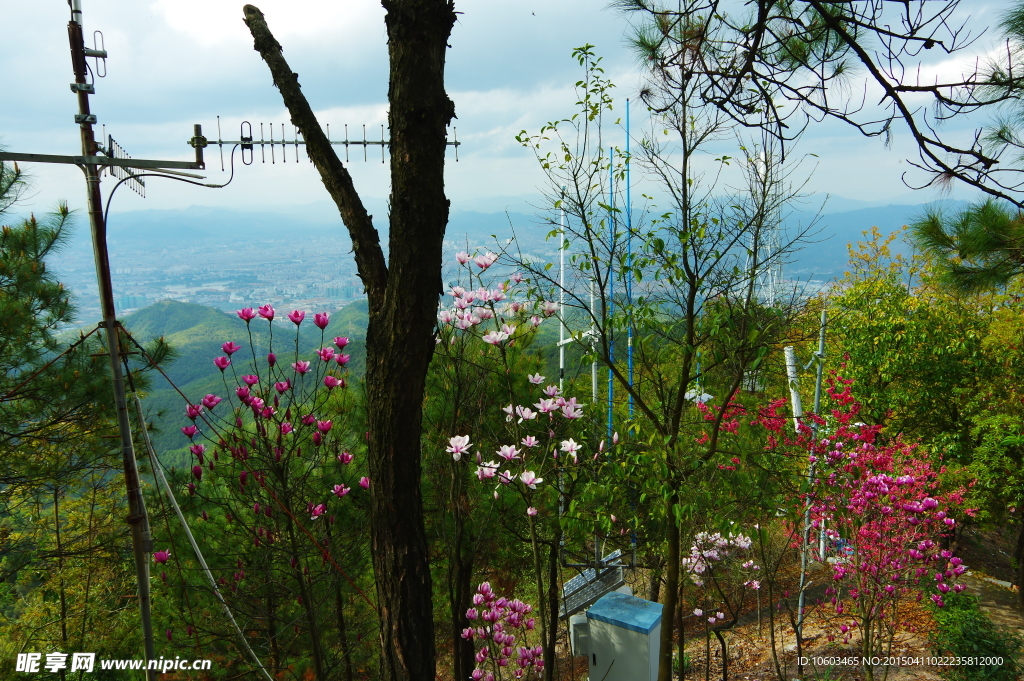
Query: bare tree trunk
[671, 592]
[403, 296]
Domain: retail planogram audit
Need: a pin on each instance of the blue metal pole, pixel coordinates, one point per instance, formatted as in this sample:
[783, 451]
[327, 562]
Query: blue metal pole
[629, 267]
[611, 285]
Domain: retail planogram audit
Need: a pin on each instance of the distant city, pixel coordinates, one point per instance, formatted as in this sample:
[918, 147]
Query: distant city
[231, 259]
[222, 275]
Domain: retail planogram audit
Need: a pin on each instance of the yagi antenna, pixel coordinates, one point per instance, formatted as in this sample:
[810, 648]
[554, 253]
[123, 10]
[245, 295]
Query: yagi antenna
[247, 142]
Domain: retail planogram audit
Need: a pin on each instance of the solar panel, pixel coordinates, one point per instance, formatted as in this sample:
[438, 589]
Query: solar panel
[585, 589]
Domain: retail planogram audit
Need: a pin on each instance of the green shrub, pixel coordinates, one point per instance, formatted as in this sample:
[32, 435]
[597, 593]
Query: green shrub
[963, 630]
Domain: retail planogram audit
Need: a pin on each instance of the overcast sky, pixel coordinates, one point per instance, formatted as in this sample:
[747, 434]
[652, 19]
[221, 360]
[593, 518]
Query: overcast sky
[174, 63]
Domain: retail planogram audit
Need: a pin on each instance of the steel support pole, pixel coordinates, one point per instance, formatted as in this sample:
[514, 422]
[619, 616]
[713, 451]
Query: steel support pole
[138, 519]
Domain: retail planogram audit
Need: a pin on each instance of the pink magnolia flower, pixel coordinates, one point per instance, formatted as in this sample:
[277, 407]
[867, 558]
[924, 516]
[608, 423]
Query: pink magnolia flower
[323, 426]
[286, 428]
[321, 319]
[546, 406]
[531, 511]
[536, 379]
[330, 382]
[458, 445]
[462, 257]
[341, 490]
[530, 479]
[525, 413]
[222, 363]
[161, 557]
[571, 447]
[230, 347]
[551, 390]
[271, 359]
[326, 354]
[486, 471]
[246, 314]
[193, 411]
[267, 312]
[308, 420]
[301, 367]
[530, 441]
[364, 482]
[282, 386]
[508, 452]
[517, 277]
[197, 471]
[251, 380]
[549, 308]
[211, 401]
[698, 612]
[341, 342]
[317, 511]
[535, 321]
[486, 260]
[342, 360]
[571, 410]
[190, 431]
[296, 316]
[345, 458]
[495, 337]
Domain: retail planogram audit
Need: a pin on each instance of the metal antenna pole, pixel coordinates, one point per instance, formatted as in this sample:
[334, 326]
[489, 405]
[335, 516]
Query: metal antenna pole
[797, 413]
[138, 520]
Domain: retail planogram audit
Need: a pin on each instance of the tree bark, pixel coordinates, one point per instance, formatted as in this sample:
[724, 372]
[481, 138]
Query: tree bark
[403, 297]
